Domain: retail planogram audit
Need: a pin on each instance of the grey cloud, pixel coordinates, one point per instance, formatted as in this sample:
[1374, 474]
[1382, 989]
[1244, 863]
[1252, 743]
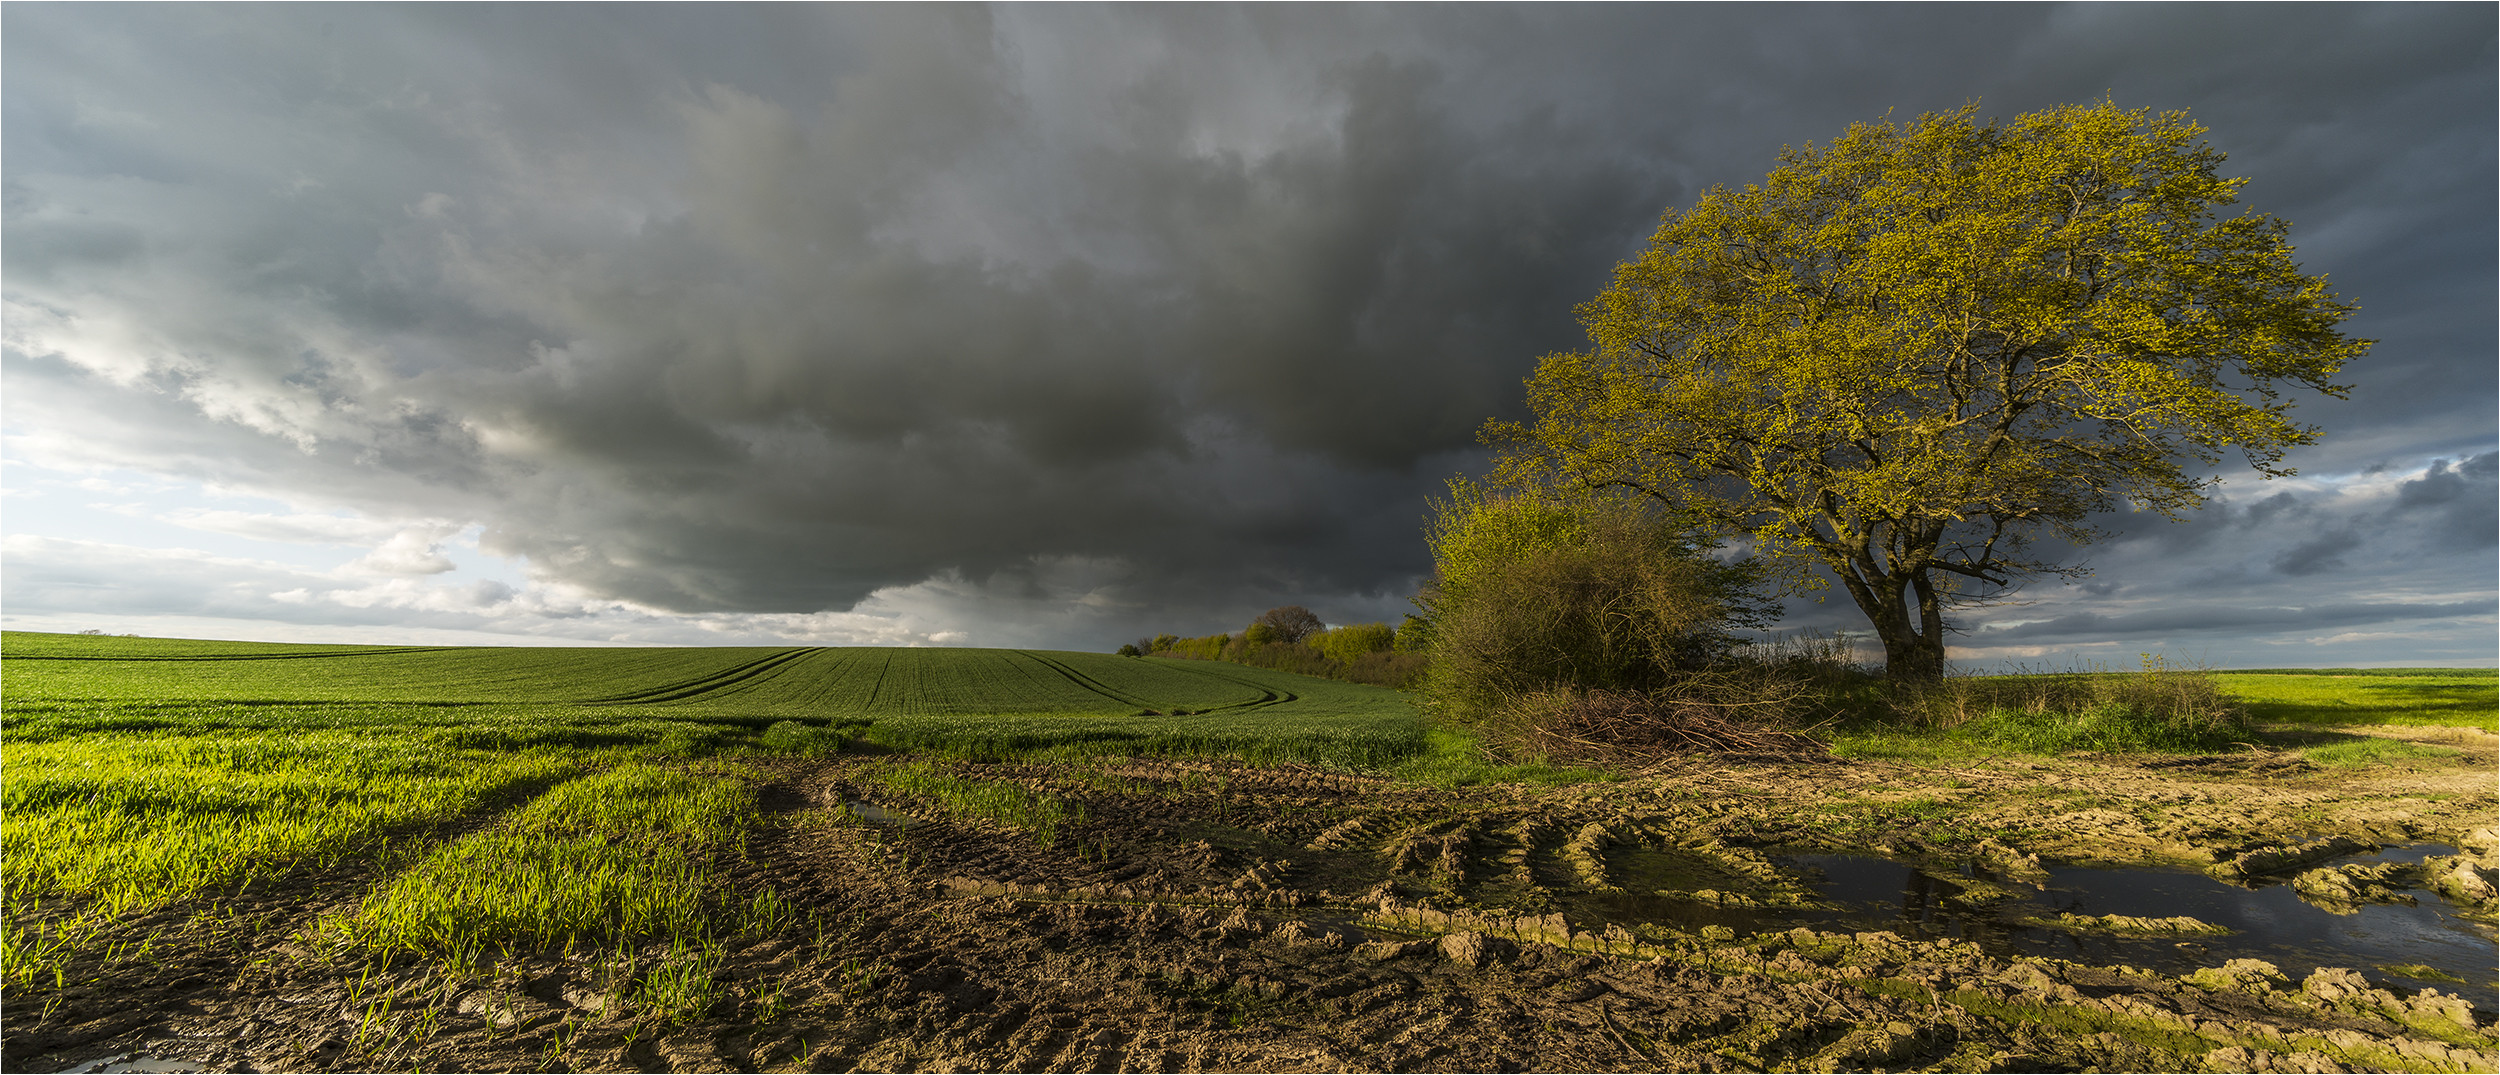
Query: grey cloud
[2324, 552]
[2453, 507]
[766, 310]
[2204, 618]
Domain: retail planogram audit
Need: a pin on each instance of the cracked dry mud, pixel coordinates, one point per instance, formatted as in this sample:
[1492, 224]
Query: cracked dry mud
[1205, 917]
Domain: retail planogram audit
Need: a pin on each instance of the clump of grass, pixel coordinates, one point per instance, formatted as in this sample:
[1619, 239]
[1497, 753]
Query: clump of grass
[999, 801]
[685, 984]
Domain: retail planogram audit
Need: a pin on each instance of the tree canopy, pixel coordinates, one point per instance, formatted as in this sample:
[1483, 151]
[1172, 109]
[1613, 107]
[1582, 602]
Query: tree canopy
[1905, 355]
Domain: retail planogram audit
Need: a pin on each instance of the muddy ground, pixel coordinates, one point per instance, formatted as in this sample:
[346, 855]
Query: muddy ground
[1204, 917]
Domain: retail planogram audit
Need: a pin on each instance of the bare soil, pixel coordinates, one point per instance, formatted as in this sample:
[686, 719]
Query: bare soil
[1205, 917]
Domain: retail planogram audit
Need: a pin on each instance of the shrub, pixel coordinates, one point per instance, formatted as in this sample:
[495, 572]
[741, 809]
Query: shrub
[1414, 635]
[1737, 709]
[1346, 644]
[1533, 594]
[1596, 630]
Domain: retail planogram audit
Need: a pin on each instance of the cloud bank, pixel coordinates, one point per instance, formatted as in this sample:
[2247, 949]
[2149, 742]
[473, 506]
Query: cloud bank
[1064, 323]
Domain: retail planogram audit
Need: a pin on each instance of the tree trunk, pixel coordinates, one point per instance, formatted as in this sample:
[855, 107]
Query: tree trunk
[1910, 654]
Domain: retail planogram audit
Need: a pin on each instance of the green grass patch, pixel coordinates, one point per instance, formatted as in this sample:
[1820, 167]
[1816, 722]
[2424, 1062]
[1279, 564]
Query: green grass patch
[615, 857]
[1877, 742]
[1453, 757]
[1000, 801]
[124, 826]
[2105, 728]
[2464, 698]
[2370, 750]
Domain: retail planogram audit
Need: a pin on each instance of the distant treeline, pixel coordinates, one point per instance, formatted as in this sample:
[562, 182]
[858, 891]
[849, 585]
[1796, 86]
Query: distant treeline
[1292, 639]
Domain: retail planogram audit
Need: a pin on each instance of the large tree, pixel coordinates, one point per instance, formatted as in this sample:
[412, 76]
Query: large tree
[1905, 355]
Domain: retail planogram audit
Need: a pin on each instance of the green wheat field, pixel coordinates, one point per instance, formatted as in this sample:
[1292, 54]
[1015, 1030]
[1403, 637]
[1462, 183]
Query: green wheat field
[144, 771]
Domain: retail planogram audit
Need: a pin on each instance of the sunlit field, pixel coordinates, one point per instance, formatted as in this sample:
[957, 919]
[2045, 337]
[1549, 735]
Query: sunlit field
[555, 857]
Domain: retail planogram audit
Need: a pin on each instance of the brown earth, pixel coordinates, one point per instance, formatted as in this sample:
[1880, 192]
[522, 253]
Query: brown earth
[1204, 917]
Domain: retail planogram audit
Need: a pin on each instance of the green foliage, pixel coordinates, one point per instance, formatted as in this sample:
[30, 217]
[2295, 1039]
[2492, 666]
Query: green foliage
[1358, 656]
[1533, 594]
[1346, 645]
[1905, 354]
[1414, 635]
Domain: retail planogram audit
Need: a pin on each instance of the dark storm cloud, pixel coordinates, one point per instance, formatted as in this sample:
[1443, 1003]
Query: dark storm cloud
[766, 308]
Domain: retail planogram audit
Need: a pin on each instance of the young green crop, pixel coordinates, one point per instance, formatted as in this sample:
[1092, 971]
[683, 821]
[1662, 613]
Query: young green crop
[619, 855]
[143, 772]
[115, 826]
[998, 801]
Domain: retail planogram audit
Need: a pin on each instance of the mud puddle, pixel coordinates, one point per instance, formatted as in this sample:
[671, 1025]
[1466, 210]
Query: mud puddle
[129, 1062]
[2269, 922]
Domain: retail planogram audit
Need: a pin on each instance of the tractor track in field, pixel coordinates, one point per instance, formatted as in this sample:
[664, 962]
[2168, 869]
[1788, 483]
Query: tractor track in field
[1205, 916]
[728, 677]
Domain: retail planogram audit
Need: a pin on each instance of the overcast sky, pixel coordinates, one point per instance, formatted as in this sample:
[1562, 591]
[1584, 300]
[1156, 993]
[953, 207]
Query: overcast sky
[1056, 325]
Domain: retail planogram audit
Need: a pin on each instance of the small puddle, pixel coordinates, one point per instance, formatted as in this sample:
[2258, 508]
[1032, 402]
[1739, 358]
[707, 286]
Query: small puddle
[875, 814]
[121, 1062]
[2269, 923]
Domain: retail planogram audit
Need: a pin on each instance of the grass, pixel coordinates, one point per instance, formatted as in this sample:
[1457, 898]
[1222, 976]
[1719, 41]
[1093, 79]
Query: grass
[105, 829]
[996, 801]
[1454, 757]
[511, 799]
[546, 798]
[2373, 751]
[2165, 710]
[2465, 698]
[980, 704]
[616, 857]
[2157, 709]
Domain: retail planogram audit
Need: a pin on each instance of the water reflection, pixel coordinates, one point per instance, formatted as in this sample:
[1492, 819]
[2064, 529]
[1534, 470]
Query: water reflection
[2268, 922]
